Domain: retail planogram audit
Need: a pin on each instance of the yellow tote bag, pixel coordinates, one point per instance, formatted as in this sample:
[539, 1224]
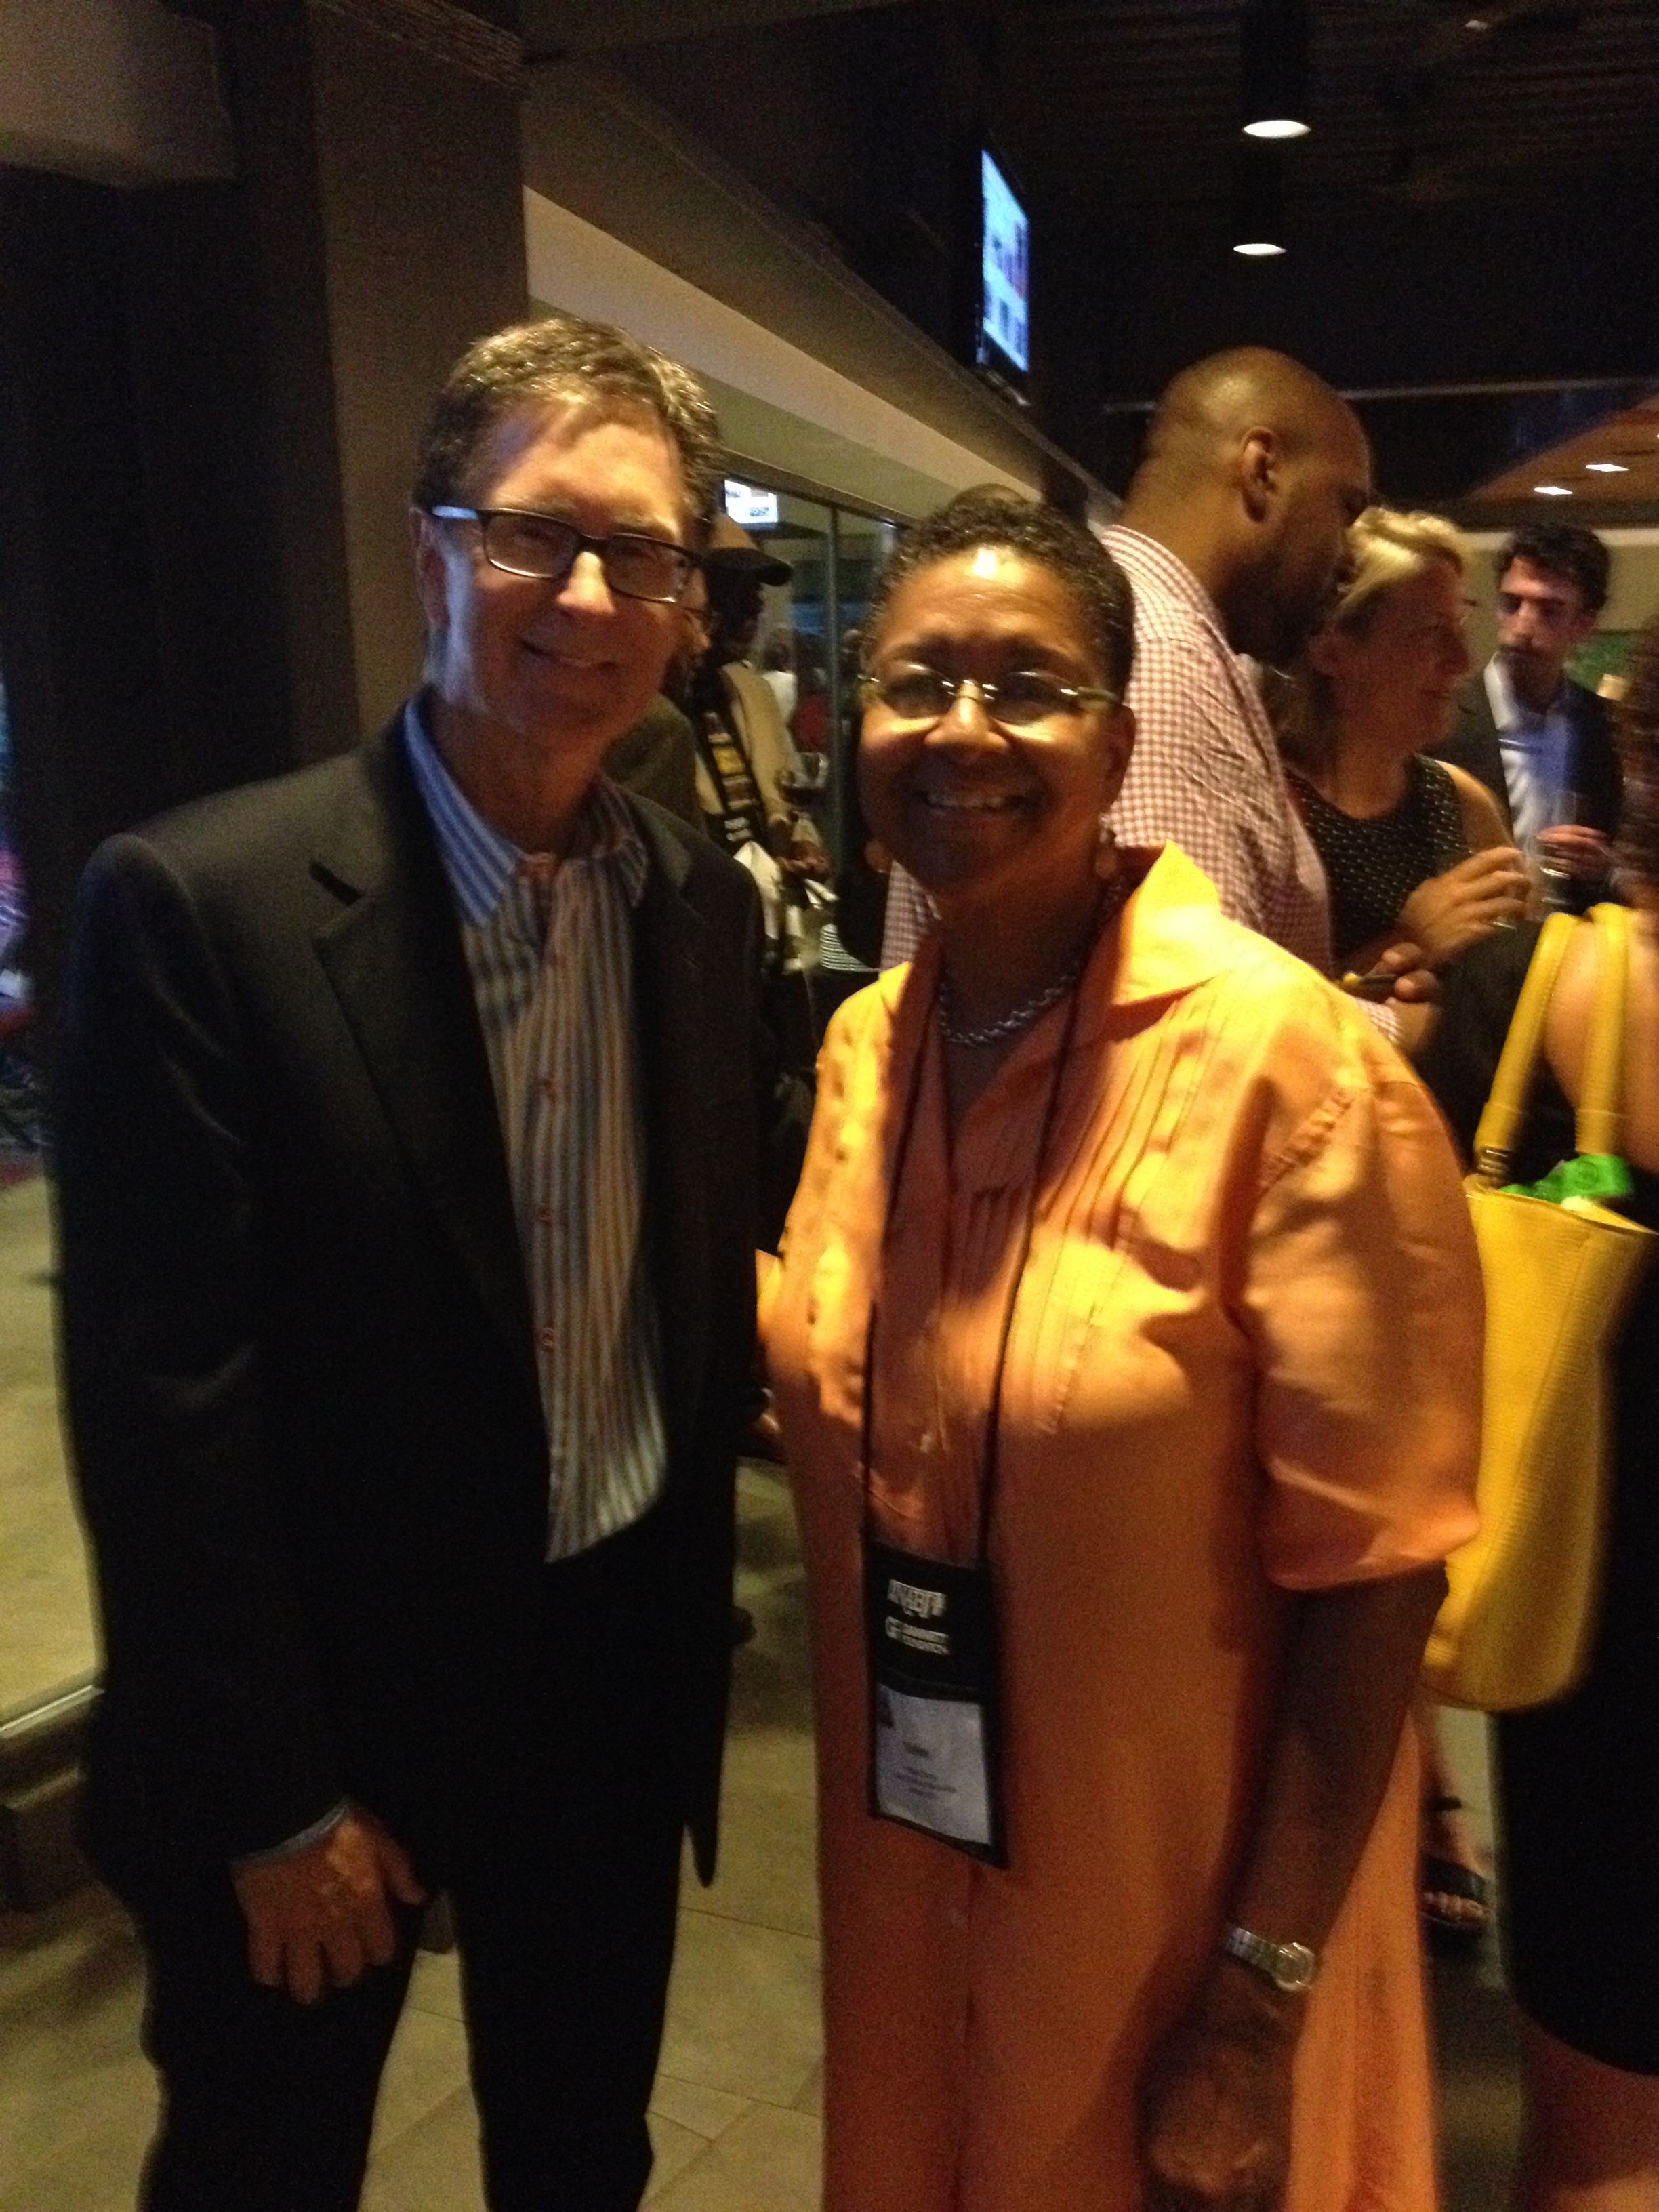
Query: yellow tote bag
[1559, 1269]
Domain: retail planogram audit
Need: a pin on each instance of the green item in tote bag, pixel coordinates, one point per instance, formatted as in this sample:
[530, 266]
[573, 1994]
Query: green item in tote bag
[1559, 1266]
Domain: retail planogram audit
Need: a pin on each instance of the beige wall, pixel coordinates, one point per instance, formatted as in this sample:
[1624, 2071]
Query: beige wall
[779, 406]
[118, 91]
[423, 242]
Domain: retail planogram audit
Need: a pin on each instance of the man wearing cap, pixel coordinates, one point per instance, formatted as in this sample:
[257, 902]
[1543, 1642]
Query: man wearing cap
[743, 747]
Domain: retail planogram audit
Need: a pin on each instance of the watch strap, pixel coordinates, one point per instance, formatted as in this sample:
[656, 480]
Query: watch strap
[1289, 1967]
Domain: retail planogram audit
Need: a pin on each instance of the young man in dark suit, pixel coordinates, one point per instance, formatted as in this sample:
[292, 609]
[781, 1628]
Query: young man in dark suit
[407, 1121]
[1541, 744]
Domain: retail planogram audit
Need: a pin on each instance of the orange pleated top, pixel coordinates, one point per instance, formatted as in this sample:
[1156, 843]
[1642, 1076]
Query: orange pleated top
[1245, 1361]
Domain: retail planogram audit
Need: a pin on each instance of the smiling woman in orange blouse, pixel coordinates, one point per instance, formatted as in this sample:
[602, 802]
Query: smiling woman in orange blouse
[1126, 1346]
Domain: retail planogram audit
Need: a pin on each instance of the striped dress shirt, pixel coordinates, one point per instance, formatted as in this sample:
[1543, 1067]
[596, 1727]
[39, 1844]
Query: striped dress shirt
[549, 947]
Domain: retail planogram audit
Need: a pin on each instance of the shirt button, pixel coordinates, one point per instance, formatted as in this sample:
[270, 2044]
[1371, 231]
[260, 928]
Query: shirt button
[546, 1086]
[544, 1215]
[548, 1339]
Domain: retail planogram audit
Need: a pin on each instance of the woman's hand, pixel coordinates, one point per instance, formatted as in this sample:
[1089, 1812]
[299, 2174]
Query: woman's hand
[1448, 914]
[1215, 2125]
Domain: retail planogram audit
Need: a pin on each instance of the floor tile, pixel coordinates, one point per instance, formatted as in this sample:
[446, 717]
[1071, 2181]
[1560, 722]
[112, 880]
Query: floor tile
[810, 2099]
[435, 1984]
[768, 1871]
[768, 2162]
[675, 2150]
[707, 2112]
[761, 1757]
[426, 2066]
[743, 2009]
[432, 2167]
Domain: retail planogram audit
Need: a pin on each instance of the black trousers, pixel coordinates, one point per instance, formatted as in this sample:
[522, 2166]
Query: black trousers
[564, 1892]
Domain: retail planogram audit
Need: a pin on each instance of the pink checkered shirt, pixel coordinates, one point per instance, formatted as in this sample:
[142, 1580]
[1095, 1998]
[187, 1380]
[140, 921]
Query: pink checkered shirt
[1205, 773]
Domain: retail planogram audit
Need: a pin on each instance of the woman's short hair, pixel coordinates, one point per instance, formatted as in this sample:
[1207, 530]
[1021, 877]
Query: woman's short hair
[991, 514]
[1636, 727]
[1387, 548]
[566, 358]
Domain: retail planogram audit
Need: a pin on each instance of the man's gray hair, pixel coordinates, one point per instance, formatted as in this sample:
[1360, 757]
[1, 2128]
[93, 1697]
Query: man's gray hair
[565, 358]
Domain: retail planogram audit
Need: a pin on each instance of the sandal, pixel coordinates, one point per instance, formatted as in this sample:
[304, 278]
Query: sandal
[1451, 1936]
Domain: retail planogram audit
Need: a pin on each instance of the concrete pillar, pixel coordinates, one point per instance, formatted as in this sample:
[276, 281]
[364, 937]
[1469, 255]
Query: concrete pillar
[211, 395]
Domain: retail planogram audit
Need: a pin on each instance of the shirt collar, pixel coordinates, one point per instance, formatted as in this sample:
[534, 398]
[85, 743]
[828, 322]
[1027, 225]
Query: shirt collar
[481, 863]
[1150, 563]
[1508, 715]
[1173, 937]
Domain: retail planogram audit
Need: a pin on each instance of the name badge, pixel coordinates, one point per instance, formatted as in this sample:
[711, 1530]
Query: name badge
[935, 1750]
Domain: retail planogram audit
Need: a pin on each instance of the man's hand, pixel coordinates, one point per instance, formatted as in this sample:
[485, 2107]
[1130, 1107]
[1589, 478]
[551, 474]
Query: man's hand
[1585, 853]
[315, 1921]
[1449, 913]
[1215, 2108]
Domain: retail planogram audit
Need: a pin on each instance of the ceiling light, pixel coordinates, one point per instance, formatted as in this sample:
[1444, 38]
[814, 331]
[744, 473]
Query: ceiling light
[1607, 468]
[1275, 69]
[1553, 491]
[1257, 249]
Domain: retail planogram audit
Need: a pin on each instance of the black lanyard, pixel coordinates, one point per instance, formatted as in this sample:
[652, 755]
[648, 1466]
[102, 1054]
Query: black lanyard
[990, 1458]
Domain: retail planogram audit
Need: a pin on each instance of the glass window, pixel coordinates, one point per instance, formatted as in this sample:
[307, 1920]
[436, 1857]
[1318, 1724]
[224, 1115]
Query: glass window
[46, 1617]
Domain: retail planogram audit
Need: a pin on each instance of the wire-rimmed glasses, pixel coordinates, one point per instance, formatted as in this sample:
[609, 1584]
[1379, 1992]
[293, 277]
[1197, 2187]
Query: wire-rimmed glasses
[1020, 700]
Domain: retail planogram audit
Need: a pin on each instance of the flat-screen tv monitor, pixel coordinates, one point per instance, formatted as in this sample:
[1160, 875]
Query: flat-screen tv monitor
[1003, 345]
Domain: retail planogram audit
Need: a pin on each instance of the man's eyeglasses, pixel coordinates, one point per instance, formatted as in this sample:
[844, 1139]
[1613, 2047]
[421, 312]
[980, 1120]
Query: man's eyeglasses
[1020, 701]
[525, 544]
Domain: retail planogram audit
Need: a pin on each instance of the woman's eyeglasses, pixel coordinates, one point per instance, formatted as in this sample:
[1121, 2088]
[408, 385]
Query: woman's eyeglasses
[525, 544]
[1017, 701]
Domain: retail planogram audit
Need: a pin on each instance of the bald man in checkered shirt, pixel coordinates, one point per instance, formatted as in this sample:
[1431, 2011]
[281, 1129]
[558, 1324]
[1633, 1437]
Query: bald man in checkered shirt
[1233, 536]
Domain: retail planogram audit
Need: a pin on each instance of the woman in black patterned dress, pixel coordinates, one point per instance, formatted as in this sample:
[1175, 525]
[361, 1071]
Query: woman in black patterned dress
[1413, 850]
[1579, 1780]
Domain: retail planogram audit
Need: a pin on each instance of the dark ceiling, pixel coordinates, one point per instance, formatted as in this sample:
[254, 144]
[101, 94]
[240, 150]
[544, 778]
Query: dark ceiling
[1471, 227]
[1414, 101]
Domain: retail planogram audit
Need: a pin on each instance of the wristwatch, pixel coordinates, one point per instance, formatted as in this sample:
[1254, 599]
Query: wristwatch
[1288, 1966]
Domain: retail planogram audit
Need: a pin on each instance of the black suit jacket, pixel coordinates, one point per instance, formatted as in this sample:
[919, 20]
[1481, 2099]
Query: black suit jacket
[296, 1335]
[1592, 767]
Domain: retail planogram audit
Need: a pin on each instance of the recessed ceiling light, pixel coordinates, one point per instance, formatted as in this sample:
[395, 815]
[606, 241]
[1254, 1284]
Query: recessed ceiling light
[1277, 126]
[1553, 491]
[1607, 468]
[1258, 249]
[1478, 23]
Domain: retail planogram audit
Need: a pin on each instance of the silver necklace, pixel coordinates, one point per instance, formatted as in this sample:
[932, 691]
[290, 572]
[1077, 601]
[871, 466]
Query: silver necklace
[1020, 1018]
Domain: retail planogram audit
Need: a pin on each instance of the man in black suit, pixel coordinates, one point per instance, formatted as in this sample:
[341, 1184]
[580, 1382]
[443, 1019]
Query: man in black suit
[407, 1120]
[1541, 744]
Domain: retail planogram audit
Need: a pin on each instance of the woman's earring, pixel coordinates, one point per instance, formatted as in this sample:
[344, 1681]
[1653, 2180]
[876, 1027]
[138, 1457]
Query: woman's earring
[1106, 850]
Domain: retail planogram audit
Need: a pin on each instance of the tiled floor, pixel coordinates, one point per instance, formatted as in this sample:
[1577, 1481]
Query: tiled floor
[734, 2116]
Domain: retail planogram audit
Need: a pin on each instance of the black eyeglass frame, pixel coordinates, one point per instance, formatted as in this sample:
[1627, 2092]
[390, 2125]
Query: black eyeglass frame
[580, 542]
[1076, 698]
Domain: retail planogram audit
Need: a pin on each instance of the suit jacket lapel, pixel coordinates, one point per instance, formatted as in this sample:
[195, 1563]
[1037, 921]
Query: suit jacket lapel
[393, 955]
[669, 957]
[1484, 754]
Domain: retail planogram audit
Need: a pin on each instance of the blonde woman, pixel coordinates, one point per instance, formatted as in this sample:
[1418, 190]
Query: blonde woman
[1412, 848]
